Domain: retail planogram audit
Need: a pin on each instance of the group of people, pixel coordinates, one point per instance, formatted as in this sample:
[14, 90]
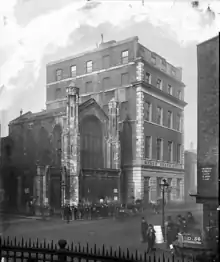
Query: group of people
[148, 235]
[172, 227]
[180, 225]
[88, 211]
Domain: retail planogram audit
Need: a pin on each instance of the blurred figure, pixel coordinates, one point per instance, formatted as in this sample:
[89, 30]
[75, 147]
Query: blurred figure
[150, 238]
[144, 228]
[190, 219]
[170, 231]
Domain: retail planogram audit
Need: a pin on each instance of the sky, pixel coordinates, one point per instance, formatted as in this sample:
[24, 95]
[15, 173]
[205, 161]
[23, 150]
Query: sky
[33, 33]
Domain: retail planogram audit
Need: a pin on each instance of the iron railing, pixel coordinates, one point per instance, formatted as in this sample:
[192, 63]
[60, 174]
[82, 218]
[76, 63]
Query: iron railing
[22, 250]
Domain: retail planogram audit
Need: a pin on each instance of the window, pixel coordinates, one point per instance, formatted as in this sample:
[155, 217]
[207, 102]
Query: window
[178, 153]
[106, 83]
[106, 61]
[58, 93]
[59, 74]
[89, 67]
[159, 83]
[153, 58]
[159, 115]
[109, 95]
[159, 149]
[148, 78]
[89, 87]
[71, 111]
[170, 119]
[178, 122]
[163, 64]
[169, 89]
[147, 111]
[179, 95]
[73, 71]
[124, 79]
[124, 57]
[170, 151]
[148, 147]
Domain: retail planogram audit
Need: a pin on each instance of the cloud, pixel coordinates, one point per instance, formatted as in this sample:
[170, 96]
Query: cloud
[30, 43]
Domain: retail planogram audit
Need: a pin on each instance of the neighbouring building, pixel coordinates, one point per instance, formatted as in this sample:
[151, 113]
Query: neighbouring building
[190, 185]
[208, 130]
[113, 127]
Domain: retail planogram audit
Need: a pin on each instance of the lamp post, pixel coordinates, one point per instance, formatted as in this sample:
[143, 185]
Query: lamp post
[63, 186]
[163, 186]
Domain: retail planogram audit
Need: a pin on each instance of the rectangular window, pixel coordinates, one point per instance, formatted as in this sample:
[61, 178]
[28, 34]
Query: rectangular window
[153, 59]
[178, 158]
[148, 77]
[179, 95]
[169, 89]
[159, 83]
[159, 115]
[159, 148]
[147, 111]
[58, 93]
[163, 64]
[106, 83]
[170, 119]
[124, 57]
[73, 71]
[105, 61]
[170, 151]
[148, 147]
[89, 67]
[59, 74]
[124, 79]
[108, 96]
[89, 87]
[178, 123]
[71, 111]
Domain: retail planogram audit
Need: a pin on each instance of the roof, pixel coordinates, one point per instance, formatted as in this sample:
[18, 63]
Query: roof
[29, 116]
[209, 40]
[93, 50]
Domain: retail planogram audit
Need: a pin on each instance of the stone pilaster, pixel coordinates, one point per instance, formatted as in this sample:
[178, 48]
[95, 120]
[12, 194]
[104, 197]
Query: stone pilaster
[182, 148]
[139, 123]
[72, 144]
[152, 189]
[182, 189]
[173, 189]
[113, 107]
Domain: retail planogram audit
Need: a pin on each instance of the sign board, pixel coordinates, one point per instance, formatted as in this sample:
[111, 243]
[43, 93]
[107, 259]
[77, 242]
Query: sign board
[207, 180]
[188, 238]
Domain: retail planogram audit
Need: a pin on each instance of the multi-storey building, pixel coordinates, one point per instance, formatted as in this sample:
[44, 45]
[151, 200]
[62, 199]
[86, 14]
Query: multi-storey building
[119, 107]
[208, 129]
[190, 180]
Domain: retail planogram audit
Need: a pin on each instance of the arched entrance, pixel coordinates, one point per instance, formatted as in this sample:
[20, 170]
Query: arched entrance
[91, 143]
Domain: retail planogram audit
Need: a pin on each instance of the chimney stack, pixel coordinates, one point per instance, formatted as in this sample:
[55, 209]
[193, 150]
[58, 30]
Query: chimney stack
[21, 112]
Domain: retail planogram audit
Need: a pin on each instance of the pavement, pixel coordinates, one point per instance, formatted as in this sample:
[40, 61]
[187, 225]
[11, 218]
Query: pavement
[111, 232]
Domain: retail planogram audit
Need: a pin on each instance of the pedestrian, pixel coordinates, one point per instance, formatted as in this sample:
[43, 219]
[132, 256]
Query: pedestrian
[144, 228]
[150, 238]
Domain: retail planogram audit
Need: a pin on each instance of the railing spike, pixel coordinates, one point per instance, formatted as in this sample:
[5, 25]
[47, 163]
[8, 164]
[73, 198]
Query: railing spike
[128, 254]
[119, 252]
[87, 247]
[103, 250]
[95, 251]
[72, 247]
[111, 251]
[136, 254]
[52, 245]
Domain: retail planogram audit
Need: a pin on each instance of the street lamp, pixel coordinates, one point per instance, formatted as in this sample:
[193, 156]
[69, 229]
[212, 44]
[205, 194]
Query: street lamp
[63, 186]
[163, 186]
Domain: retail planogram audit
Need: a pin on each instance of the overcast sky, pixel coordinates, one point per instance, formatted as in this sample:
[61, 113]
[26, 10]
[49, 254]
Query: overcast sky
[34, 32]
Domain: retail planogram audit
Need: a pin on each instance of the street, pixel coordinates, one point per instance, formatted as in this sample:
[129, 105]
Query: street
[115, 233]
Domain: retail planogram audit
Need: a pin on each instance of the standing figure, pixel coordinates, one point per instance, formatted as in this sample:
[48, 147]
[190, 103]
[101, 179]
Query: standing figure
[144, 228]
[150, 238]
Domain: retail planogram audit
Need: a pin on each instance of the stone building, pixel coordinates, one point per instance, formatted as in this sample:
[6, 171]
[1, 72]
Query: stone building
[208, 130]
[190, 164]
[113, 127]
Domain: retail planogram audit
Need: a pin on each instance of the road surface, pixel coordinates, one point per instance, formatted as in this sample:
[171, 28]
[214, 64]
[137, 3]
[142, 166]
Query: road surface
[115, 233]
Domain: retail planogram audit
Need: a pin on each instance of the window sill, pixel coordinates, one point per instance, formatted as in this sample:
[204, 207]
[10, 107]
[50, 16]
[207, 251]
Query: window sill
[153, 123]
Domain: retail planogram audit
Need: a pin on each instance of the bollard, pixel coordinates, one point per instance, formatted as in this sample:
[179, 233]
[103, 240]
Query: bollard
[62, 257]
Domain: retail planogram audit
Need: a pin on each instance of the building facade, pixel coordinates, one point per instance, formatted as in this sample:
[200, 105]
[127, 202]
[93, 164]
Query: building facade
[190, 185]
[208, 130]
[119, 109]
